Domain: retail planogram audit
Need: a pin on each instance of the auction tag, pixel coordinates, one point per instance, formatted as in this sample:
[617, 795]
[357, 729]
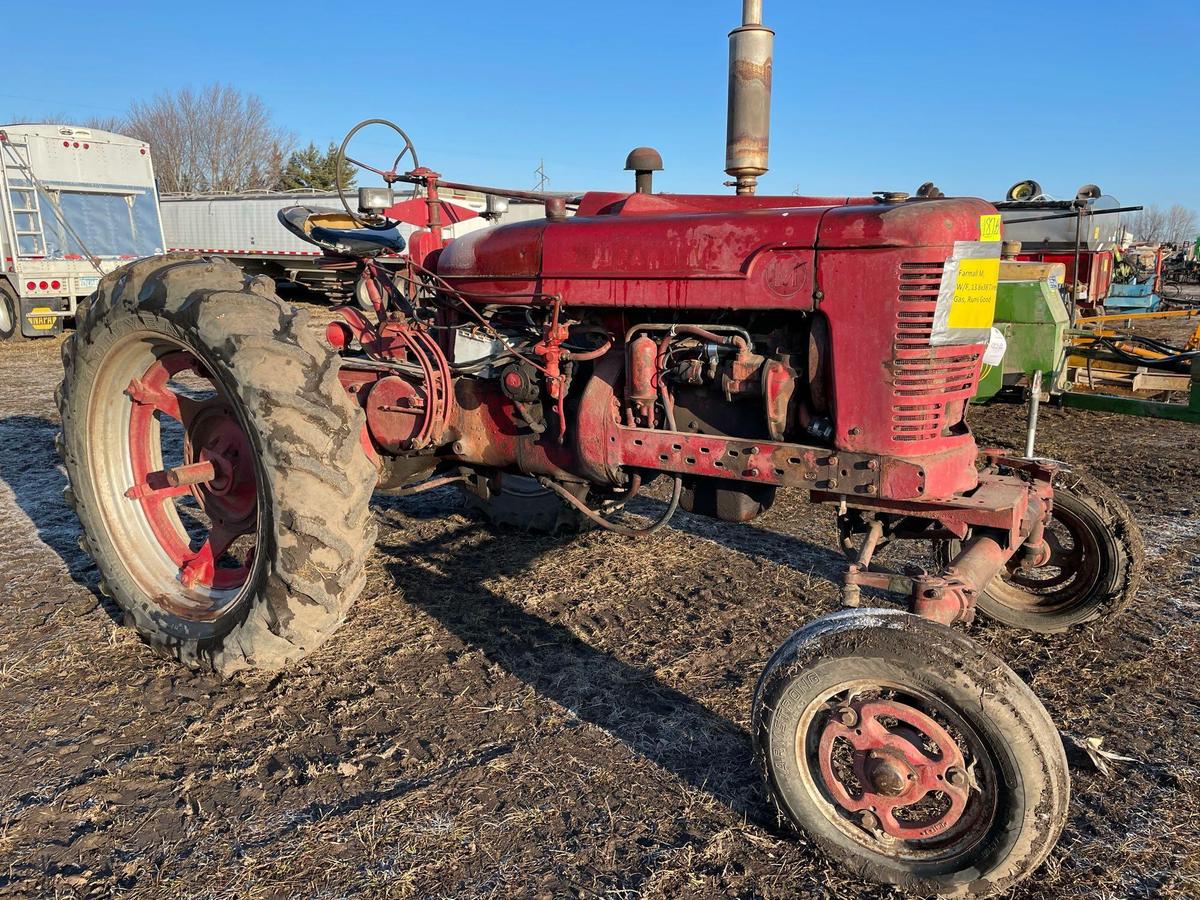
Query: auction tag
[989, 228]
[974, 302]
[966, 303]
[993, 354]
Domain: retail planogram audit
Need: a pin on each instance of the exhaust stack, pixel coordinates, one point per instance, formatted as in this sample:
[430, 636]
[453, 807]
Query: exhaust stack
[751, 49]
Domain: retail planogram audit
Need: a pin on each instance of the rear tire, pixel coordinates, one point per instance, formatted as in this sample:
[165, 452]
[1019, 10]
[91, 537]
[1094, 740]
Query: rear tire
[1105, 560]
[301, 470]
[980, 792]
[10, 313]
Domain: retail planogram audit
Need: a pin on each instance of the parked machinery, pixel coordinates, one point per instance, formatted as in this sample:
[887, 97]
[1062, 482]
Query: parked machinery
[75, 204]
[222, 457]
[1083, 235]
[1031, 316]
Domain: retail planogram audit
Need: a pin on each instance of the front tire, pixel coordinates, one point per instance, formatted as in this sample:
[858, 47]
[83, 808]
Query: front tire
[181, 368]
[909, 754]
[1094, 570]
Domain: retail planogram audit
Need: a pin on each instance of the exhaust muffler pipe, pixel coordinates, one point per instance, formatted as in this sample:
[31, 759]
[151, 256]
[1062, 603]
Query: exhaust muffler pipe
[751, 49]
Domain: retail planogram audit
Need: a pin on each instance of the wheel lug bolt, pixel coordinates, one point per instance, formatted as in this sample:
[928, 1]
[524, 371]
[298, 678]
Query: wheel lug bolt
[847, 716]
[956, 777]
[869, 820]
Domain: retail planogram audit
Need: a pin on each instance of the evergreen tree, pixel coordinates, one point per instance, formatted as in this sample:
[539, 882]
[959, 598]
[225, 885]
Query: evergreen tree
[314, 169]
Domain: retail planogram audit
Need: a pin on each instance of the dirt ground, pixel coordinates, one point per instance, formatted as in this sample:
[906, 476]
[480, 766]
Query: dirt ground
[518, 716]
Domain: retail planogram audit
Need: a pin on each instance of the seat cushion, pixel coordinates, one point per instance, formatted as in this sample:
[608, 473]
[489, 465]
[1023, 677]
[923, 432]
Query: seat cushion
[335, 232]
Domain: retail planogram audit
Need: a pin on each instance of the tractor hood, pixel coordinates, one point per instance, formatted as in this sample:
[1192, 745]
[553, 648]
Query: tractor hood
[690, 250]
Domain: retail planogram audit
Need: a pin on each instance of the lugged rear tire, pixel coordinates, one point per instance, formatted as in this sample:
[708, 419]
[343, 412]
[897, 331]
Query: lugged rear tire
[276, 381]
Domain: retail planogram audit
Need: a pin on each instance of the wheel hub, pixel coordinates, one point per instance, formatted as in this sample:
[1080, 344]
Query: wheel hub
[888, 773]
[214, 436]
[899, 757]
[1057, 574]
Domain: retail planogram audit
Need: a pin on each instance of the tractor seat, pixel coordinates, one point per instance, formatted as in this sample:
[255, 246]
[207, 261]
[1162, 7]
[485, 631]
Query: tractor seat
[335, 232]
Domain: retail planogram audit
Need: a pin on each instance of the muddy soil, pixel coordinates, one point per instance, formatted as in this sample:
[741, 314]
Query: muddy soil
[517, 716]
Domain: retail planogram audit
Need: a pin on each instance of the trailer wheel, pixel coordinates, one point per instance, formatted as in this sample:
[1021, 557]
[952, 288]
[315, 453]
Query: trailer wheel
[524, 504]
[909, 754]
[215, 464]
[1094, 570]
[10, 313]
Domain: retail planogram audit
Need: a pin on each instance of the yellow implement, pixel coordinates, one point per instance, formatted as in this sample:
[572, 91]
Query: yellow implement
[1090, 335]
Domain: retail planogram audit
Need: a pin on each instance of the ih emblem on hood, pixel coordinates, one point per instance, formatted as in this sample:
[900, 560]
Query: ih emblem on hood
[786, 271]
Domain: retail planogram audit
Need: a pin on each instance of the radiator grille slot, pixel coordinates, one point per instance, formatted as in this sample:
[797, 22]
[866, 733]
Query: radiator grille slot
[925, 382]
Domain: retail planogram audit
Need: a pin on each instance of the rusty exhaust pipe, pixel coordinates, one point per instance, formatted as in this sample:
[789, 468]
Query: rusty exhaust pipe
[751, 49]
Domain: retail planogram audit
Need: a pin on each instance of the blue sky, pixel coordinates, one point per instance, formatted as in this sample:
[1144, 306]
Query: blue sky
[867, 95]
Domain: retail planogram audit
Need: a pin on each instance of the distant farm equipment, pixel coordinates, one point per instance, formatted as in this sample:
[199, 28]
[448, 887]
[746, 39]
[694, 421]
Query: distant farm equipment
[75, 204]
[1064, 339]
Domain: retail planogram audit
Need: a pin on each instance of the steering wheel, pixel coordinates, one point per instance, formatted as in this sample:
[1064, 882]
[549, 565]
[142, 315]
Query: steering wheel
[390, 176]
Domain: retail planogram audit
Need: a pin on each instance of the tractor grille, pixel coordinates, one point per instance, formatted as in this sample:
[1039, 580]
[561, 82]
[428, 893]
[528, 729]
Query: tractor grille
[929, 386]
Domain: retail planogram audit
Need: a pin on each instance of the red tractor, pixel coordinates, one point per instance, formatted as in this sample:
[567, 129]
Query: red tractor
[222, 458]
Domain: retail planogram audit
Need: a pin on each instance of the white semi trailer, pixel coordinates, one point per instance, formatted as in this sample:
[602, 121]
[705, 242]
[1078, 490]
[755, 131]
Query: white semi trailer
[75, 203]
[245, 228]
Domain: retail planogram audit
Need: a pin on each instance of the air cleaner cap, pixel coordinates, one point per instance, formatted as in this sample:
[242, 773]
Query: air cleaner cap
[643, 159]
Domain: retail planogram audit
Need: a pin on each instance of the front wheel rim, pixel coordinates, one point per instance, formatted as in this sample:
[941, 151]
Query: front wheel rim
[1065, 581]
[176, 477]
[863, 751]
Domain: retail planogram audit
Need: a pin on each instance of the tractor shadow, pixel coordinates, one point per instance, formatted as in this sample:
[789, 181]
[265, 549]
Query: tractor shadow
[758, 543]
[445, 576]
[31, 469]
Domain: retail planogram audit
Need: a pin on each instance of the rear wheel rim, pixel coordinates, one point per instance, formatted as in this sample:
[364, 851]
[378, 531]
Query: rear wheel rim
[176, 476]
[523, 487]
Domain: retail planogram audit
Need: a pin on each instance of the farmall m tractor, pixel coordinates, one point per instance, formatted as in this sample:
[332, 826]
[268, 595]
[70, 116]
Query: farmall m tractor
[222, 456]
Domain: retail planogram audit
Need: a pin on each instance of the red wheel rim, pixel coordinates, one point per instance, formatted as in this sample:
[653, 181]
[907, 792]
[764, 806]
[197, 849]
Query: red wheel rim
[211, 435]
[177, 476]
[895, 768]
[898, 771]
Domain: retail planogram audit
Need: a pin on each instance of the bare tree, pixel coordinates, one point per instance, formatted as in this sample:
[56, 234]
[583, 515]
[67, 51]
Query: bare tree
[1180, 225]
[214, 139]
[1149, 225]
[115, 124]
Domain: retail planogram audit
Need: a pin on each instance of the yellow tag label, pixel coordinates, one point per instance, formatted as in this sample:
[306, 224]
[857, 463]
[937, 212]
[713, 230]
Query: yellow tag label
[41, 319]
[974, 303]
[989, 228]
